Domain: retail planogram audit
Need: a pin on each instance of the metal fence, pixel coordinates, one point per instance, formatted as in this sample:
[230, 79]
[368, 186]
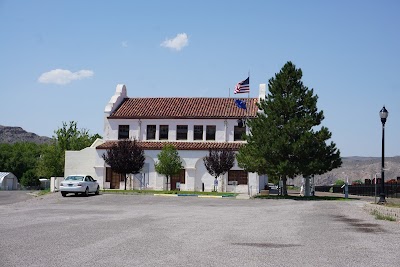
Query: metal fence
[391, 190]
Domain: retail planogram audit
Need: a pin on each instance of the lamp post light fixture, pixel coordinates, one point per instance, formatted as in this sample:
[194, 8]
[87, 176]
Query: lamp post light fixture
[383, 114]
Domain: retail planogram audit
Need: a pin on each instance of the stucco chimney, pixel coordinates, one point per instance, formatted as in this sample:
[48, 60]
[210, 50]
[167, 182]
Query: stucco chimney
[262, 91]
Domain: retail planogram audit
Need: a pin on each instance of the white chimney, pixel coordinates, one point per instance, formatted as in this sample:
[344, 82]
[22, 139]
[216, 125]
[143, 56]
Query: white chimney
[262, 91]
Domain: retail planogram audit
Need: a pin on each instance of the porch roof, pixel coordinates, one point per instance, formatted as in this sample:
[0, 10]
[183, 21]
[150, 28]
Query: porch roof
[158, 145]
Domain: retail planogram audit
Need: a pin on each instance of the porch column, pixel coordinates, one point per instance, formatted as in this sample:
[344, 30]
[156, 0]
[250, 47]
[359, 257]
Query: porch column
[190, 179]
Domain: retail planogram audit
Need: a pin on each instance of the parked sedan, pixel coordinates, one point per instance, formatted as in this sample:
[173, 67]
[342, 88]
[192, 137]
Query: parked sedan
[76, 184]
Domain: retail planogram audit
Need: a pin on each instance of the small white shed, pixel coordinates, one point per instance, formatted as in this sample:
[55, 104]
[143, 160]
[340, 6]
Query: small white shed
[8, 181]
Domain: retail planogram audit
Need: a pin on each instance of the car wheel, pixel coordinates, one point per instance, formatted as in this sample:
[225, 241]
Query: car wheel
[63, 194]
[97, 191]
[86, 194]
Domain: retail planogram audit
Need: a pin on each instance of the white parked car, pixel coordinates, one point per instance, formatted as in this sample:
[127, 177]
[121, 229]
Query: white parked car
[76, 184]
[272, 186]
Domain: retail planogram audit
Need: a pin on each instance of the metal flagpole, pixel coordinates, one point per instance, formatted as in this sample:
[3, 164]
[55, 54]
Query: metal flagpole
[248, 104]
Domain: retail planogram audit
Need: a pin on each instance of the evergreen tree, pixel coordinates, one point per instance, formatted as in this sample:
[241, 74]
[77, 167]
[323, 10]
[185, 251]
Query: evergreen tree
[284, 140]
[169, 162]
[125, 157]
[219, 161]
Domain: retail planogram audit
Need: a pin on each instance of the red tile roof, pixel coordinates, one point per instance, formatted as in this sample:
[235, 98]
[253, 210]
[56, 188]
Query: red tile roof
[158, 145]
[181, 107]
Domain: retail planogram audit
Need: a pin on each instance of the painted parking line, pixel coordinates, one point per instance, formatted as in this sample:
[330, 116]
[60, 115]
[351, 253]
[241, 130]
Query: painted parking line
[207, 196]
[166, 195]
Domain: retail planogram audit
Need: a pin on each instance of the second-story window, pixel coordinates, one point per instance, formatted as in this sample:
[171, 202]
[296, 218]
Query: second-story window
[198, 132]
[163, 135]
[210, 132]
[123, 132]
[151, 132]
[238, 133]
[181, 132]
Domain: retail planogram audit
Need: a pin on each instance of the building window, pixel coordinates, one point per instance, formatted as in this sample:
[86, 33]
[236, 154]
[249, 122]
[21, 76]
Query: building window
[151, 132]
[239, 176]
[181, 132]
[123, 132]
[163, 135]
[210, 132]
[238, 133]
[198, 132]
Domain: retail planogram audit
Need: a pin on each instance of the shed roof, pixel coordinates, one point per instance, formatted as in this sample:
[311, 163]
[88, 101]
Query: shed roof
[5, 174]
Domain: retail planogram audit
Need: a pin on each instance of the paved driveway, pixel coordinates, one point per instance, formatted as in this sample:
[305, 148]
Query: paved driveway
[127, 230]
[13, 196]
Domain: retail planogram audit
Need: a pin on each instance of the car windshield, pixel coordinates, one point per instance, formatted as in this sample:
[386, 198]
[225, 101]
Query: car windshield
[74, 178]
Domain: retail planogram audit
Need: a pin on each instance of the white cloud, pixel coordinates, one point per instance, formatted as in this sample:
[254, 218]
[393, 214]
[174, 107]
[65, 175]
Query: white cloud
[60, 76]
[124, 43]
[181, 40]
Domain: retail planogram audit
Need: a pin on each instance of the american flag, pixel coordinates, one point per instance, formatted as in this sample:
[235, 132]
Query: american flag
[243, 86]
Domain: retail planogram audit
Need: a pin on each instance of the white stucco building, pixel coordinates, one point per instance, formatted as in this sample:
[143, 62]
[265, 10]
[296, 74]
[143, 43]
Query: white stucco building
[192, 124]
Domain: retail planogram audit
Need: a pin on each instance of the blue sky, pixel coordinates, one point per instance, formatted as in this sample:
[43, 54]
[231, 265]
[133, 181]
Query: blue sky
[61, 60]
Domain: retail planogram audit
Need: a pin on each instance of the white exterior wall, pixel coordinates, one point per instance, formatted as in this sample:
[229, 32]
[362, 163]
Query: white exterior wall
[138, 128]
[89, 160]
[192, 161]
[83, 162]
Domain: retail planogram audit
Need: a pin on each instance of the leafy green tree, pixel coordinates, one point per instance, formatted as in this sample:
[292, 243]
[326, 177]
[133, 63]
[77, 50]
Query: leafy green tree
[51, 162]
[19, 158]
[284, 139]
[68, 137]
[72, 138]
[219, 161]
[169, 162]
[29, 178]
[125, 157]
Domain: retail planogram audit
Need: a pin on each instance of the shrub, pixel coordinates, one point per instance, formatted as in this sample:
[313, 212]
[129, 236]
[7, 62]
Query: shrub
[339, 182]
[29, 178]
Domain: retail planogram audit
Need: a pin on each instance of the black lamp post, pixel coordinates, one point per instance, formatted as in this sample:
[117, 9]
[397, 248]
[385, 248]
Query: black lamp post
[383, 114]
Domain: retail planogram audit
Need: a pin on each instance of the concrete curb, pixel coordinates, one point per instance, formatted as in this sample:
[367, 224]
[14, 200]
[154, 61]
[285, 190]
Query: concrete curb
[385, 211]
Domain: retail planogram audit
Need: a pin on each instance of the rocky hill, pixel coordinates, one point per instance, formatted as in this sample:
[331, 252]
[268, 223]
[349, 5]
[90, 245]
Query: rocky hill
[359, 168]
[11, 135]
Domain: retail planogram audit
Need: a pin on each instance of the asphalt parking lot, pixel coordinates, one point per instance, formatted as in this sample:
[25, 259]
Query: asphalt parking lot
[14, 196]
[131, 230]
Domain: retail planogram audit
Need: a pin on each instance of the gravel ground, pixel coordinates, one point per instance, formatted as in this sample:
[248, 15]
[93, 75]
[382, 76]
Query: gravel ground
[130, 230]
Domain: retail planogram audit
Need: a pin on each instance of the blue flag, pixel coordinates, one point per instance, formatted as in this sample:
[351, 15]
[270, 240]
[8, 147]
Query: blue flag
[240, 103]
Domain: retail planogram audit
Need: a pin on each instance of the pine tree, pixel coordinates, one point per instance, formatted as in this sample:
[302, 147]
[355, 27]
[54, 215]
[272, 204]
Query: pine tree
[284, 141]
